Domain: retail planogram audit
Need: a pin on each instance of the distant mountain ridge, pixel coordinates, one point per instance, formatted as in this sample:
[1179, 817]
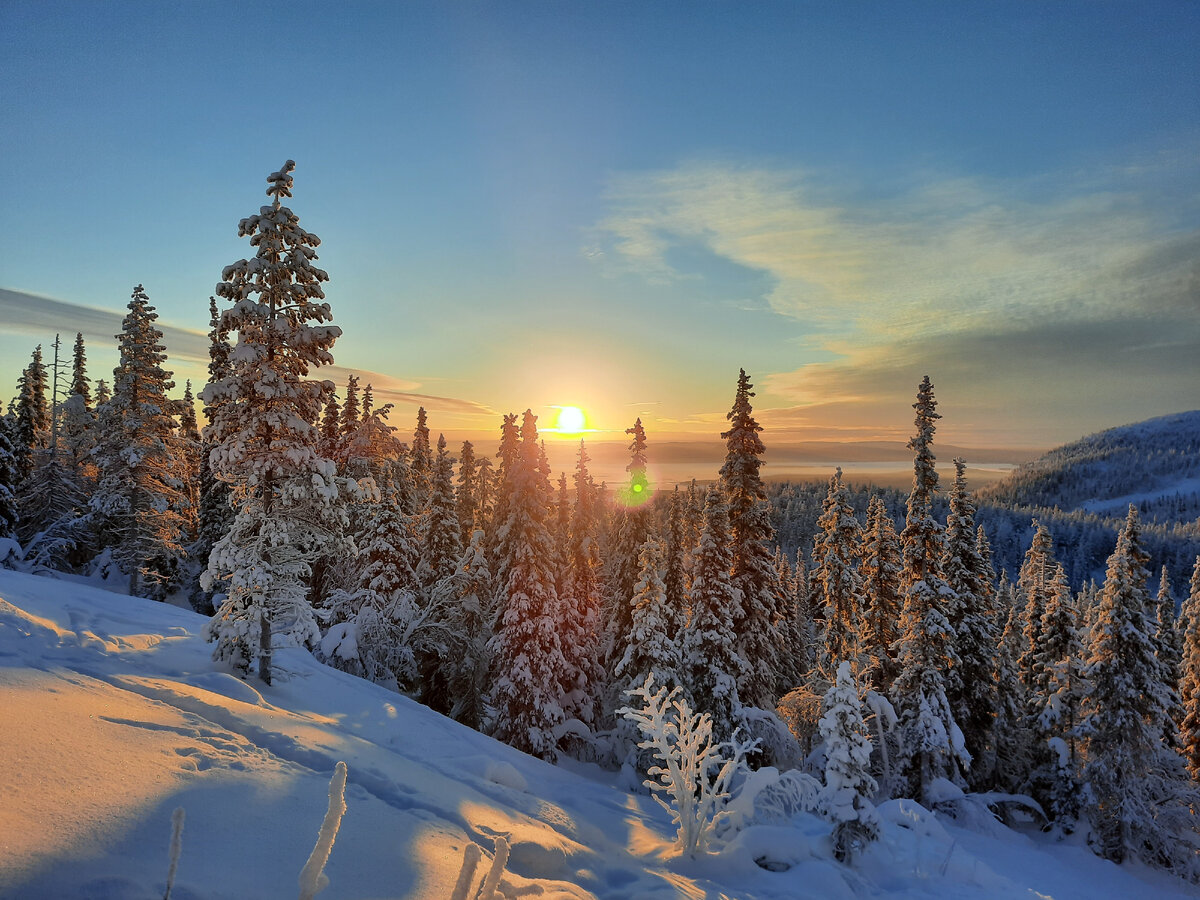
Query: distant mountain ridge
[1154, 464]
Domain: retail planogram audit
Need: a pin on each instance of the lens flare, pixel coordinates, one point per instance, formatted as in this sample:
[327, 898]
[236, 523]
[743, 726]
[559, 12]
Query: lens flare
[638, 492]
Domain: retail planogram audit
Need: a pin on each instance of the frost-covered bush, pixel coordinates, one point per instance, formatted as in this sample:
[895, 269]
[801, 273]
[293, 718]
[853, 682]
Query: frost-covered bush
[845, 799]
[695, 774]
[777, 745]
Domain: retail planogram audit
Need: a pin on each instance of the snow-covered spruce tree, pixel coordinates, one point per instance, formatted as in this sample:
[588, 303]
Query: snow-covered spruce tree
[674, 571]
[1010, 758]
[581, 603]
[653, 647]
[880, 570]
[466, 495]
[1189, 677]
[349, 413]
[531, 676]
[790, 625]
[142, 487]
[1033, 588]
[8, 482]
[78, 432]
[1062, 658]
[421, 460]
[510, 448]
[188, 449]
[374, 625]
[1136, 806]
[1169, 653]
[32, 415]
[289, 500]
[846, 798]
[442, 547]
[468, 596]
[835, 576]
[633, 529]
[969, 686]
[331, 428]
[215, 514]
[751, 538]
[932, 744]
[710, 661]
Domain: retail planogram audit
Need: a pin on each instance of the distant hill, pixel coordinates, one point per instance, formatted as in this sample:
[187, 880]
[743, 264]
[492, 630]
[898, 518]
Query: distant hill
[1155, 464]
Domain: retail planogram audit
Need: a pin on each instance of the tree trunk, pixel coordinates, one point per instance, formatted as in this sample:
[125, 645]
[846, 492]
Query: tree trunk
[264, 648]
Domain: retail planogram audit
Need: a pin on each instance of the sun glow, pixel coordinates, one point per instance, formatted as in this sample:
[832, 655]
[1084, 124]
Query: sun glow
[571, 420]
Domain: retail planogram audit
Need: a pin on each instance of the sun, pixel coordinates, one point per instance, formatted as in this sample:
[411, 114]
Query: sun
[571, 420]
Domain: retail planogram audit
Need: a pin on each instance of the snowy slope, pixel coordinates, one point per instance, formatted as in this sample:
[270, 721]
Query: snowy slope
[112, 715]
[1155, 464]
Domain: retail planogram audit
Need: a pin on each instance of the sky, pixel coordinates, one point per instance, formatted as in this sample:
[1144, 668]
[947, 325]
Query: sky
[616, 206]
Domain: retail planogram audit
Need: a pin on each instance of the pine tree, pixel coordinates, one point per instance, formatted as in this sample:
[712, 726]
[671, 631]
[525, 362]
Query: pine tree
[846, 796]
[1125, 709]
[142, 480]
[1189, 679]
[752, 536]
[710, 661]
[289, 499]
[531, 674]
[969, 686]
[880, 568]
[652, 648]
[836, 578]
[932, 742]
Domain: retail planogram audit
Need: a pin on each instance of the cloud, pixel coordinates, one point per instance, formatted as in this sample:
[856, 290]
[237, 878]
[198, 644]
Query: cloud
[39, 316]
[1045, 285]
[36, 315]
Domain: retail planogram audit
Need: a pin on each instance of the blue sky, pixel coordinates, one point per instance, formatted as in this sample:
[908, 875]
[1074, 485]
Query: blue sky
[616, 205]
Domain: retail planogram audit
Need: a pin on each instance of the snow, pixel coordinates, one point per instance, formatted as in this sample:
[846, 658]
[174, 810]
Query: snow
[113, 715]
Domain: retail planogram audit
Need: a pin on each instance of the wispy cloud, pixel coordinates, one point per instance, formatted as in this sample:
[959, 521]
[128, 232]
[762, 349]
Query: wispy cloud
[41, 316]
[1004, 287]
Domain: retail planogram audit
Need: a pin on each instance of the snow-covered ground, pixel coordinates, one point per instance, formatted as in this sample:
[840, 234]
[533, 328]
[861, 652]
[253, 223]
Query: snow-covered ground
[112, 715]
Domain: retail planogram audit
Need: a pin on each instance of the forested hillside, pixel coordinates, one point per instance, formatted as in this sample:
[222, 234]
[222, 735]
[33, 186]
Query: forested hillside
[1155, 464]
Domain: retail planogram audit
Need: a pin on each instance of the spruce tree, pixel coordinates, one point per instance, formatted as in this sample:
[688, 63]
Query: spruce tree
[846, 796]
[1189, 679]
[653, 648]
[880, 568]
[531, 677]
[442, 548]
[633, 529]
[582, 603]
[290, 501]
[752, 537]
[467, 493]
[1033, 587]
[1061, 658]
[969, 686]
[349, 418]
[835, 576]
[8, 482]
[215, 514]
[710, 661]
[1169, 653]
[420, 460]
[79, 420]
[32, 416]
[1125, 709]
[142, 479]
[932, 742]
[1009, 764]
